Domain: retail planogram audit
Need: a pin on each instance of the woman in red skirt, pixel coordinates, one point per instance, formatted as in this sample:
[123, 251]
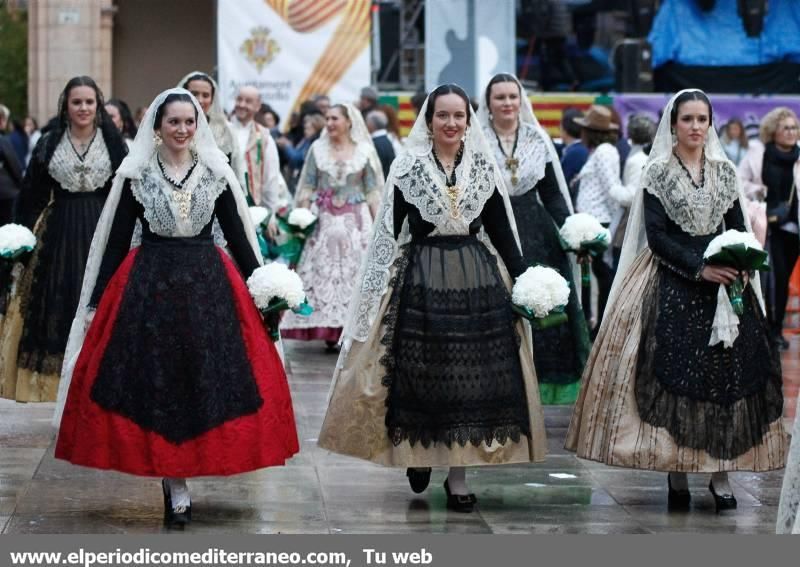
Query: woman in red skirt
[169, 371]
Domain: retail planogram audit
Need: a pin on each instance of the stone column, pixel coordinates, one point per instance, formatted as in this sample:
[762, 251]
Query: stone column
[66, 38]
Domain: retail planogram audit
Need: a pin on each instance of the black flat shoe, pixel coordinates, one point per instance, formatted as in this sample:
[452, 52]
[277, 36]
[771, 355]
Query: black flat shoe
[722, 501]
[677, 499]
[179, 516]
[418, 478]
[459, 502]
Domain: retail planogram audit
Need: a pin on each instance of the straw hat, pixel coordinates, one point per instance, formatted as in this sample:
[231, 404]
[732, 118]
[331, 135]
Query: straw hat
[597, 118]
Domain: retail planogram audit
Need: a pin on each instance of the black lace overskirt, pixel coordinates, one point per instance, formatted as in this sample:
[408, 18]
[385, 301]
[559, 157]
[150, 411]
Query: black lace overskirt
[453, 370]
[176, 362]
[55, 279]
[721, 400]
[560, 352]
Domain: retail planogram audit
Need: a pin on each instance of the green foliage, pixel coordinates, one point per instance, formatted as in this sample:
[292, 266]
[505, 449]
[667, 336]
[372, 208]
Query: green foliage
[14, 60]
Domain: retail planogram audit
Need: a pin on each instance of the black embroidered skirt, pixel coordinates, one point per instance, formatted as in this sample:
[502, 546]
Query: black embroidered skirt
[453, 369]
[560, 352]
[176, 375]
[54, 279]
[721, 400]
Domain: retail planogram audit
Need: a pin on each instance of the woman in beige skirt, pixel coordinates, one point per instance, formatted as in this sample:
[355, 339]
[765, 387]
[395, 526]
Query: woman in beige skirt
[675, 381]
[435, 369]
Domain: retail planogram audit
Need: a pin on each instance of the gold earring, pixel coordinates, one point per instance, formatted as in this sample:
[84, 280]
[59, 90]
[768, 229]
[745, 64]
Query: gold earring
[157, 139]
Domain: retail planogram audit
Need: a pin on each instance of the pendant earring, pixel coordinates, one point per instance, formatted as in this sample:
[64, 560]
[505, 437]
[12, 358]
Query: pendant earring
[157, 139]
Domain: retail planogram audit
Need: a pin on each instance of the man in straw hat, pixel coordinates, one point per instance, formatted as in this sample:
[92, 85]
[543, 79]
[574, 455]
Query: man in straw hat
[599, 179]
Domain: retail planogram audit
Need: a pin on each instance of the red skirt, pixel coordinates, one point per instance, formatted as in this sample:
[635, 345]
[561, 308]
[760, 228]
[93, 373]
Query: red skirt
[94, 436]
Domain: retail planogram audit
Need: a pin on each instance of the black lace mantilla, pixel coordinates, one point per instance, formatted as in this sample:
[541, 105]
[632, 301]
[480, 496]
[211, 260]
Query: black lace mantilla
[452, 362]
[177, 338]
[721, 400]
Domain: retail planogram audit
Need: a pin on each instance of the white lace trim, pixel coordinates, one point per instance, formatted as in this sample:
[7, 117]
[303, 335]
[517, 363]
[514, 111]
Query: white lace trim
[532, 154]
[158, 197]
[222, 135]
[788, 520]
[698, 211]
[337, 169]
[423, 185]
[78, 176]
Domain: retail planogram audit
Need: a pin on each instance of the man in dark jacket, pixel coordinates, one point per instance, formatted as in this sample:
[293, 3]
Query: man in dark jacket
[376, 124]
[10, 179]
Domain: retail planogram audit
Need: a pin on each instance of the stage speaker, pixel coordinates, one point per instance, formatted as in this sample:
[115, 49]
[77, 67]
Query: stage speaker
[633, 70]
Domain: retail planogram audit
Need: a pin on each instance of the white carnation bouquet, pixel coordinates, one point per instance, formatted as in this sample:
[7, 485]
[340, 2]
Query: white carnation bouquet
[741, 251]
[15, 240]
[302, 218]
[295, 227]
[583, 234]
[540, 294]
[259, 215]
[275, 288]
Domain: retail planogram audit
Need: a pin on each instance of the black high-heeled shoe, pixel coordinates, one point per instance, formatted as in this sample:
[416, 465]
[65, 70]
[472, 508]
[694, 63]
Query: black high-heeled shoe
[722, 501]
[172, 516]
[677, 499]
[418, 478]
[459, 502]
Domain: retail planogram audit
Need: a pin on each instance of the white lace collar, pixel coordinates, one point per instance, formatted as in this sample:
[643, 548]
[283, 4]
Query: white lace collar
[339, 170]
[697, 210]
[424, 186]
[173, 212]
[532, 157]
[78, 175]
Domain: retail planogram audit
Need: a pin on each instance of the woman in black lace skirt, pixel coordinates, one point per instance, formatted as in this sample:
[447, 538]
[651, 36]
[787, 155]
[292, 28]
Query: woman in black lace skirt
[672, 383]
[541, 202]
[435, 369]
[62, 195]
[169, 369]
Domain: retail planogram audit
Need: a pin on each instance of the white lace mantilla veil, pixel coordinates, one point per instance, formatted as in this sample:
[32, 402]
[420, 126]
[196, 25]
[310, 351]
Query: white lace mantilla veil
[415, 162]
[220, 127]
[140, 155]
[364, 148]
[725, 328]
[527, 116]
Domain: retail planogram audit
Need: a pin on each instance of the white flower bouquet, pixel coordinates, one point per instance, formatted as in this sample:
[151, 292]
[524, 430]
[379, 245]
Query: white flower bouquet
[584, 235]
[260, 216]
[296, 226]
[741, 251]
[275, 288]
[540, 294]
[15, 240]
[301, 218]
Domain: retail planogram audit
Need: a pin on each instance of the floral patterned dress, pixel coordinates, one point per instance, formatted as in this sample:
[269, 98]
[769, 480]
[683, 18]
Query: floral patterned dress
[339, 193]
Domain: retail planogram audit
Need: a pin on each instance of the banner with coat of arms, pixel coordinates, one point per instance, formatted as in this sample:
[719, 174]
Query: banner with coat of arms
[292, 50]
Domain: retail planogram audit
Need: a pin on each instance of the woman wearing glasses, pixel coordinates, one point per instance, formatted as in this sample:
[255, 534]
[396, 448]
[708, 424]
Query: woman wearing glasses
[772, 174]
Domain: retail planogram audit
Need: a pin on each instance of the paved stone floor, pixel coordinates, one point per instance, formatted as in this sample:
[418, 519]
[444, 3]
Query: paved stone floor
[318, 492]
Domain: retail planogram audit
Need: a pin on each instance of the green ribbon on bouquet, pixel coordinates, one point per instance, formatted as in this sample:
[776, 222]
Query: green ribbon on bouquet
[12, 254]
[593, 248]
[292, 239]
[556, 317]
[744, 259]
[272, 314]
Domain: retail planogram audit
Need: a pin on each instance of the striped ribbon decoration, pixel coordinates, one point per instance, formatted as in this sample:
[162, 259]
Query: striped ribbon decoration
[350, 38]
